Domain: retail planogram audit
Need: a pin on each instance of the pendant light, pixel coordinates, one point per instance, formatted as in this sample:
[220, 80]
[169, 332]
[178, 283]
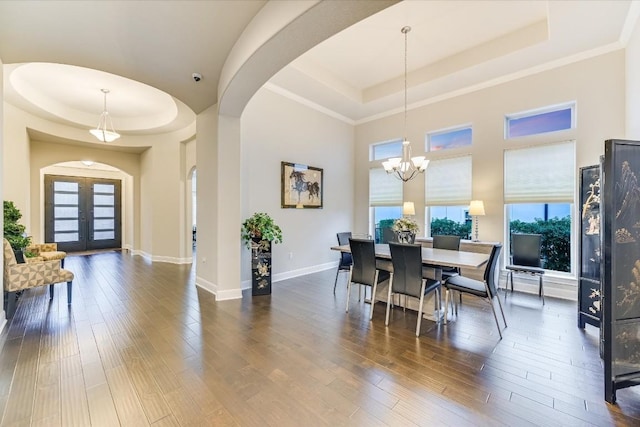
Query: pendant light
[105, 132]
[406, 167]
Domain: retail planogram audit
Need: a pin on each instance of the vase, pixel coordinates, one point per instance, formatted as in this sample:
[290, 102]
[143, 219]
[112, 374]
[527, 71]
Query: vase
[406, 236]
[260, 267]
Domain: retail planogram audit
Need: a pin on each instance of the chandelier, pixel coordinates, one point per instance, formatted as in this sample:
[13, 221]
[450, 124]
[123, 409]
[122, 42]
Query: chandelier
[406, 167]
[105, 132]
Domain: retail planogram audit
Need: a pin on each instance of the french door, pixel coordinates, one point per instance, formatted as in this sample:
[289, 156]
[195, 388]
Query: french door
[82, 213]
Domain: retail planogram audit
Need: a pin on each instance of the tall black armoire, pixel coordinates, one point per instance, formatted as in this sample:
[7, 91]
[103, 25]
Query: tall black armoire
[589, 301]
[620, 213]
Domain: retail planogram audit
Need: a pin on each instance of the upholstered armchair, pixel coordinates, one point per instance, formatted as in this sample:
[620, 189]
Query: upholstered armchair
[46, 252]
[18, 277]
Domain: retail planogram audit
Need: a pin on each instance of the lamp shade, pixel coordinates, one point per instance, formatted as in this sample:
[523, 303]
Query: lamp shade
[476, 207]
[408, 208]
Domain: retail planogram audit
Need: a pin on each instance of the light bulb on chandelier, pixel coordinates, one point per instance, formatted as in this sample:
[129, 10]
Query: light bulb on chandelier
[406, 167]
[105, 131]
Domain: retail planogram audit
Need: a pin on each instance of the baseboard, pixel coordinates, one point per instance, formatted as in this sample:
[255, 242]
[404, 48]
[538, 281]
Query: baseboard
[246, 284]
[160, 258]
[221, 295]
[3, 321]
[557, 287]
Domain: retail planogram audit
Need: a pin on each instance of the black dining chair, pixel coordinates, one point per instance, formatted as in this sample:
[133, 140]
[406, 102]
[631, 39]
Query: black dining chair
[408, 279]
[451, 243]
[363, 269]
[484, 289]
[526, 257]
[345, 258]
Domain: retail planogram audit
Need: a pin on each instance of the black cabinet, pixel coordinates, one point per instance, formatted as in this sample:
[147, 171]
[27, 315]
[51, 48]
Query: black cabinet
[589, 301]
[620, 213]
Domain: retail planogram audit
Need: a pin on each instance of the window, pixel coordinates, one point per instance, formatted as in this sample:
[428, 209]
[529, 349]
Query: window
[386, 150]
[550, 119]
[447, 195]
[450, 138]
[385, 200]
[538, 193]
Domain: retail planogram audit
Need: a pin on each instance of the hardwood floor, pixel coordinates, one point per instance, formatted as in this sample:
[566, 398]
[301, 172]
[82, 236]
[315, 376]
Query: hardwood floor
[141, 345]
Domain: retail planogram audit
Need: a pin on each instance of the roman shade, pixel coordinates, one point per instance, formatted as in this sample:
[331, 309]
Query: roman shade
[448, 182]
[542, 174]
[384, 190]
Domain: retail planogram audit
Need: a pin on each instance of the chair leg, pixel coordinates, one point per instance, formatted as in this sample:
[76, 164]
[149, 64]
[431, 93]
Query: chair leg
[349, 289]
[11, 304]
[502, 311]
[495, 316]
[335, 282]
[541, 290]
[51, 291]
[69, 286]
[373, 294]
[386, 320]
[424, 283]
[446, 305]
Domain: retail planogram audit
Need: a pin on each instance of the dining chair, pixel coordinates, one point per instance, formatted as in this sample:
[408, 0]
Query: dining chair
[451, 243]
[484, 289]
[408, 279]
[363, 270]
[526, 258]
[345, 258]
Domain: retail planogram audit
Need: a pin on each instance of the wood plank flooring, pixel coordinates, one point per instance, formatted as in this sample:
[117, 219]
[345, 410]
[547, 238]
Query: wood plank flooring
[141, 345]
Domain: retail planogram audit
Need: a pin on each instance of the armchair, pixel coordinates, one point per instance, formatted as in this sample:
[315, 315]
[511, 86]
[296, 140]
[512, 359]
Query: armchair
[18, 277]
[47, 252]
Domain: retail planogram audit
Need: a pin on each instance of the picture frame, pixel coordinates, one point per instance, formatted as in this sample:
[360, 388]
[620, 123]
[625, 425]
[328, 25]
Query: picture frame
[301, 186]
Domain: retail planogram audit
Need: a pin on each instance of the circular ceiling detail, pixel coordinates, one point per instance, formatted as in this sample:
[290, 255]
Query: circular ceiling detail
[74, 94]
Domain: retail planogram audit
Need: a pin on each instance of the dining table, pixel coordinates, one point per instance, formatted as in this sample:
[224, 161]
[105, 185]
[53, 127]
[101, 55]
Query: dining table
[432, 258]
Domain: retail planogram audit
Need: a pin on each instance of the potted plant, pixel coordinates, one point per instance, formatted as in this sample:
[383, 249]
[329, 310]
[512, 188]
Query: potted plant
[406, 229]
[13, 231]
[258, 233]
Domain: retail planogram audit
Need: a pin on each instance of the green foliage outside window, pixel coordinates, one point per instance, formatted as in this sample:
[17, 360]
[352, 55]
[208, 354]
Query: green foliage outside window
[556, 240]
[556, 237]
[444, 226]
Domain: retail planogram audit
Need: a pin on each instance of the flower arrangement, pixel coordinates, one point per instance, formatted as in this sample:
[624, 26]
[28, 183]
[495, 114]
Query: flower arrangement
[405, 224]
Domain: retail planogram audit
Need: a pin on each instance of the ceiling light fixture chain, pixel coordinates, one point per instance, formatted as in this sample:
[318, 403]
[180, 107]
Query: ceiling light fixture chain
[406, 167]
[105, 131]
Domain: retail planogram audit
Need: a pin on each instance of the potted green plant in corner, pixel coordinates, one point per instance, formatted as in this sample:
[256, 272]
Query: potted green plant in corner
[14, 232]
[258, 233]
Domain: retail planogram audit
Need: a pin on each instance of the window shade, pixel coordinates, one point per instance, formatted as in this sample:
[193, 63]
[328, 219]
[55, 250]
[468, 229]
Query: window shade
[448, 182]
[544, 174]
[384, 190]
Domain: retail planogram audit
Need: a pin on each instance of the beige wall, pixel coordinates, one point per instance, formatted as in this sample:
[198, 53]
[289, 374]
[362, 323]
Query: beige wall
[207, 195]
[44, 155]
[633, 85]
[596, 85]
[155, 191]
[276, 129]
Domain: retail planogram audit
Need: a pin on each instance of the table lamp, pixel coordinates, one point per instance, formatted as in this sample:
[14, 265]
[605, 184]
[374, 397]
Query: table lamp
[408, 208]
[476, 209]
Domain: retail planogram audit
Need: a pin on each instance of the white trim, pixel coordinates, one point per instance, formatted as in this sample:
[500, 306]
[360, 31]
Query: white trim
[554, 286]
[171, 260]
[161, 258]
[3, 321]
[279, 277]
[229, 294]
[304, 101]
[206, 285]
[212, 288]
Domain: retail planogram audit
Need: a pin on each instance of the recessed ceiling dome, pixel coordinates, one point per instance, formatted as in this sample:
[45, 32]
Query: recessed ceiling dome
[74, 94]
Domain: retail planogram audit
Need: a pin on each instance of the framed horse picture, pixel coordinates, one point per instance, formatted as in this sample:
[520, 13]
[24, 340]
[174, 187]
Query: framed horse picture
[301, 186]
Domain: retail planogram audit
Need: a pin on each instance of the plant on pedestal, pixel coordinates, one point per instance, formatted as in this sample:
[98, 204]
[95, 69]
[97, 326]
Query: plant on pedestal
[258, 233]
